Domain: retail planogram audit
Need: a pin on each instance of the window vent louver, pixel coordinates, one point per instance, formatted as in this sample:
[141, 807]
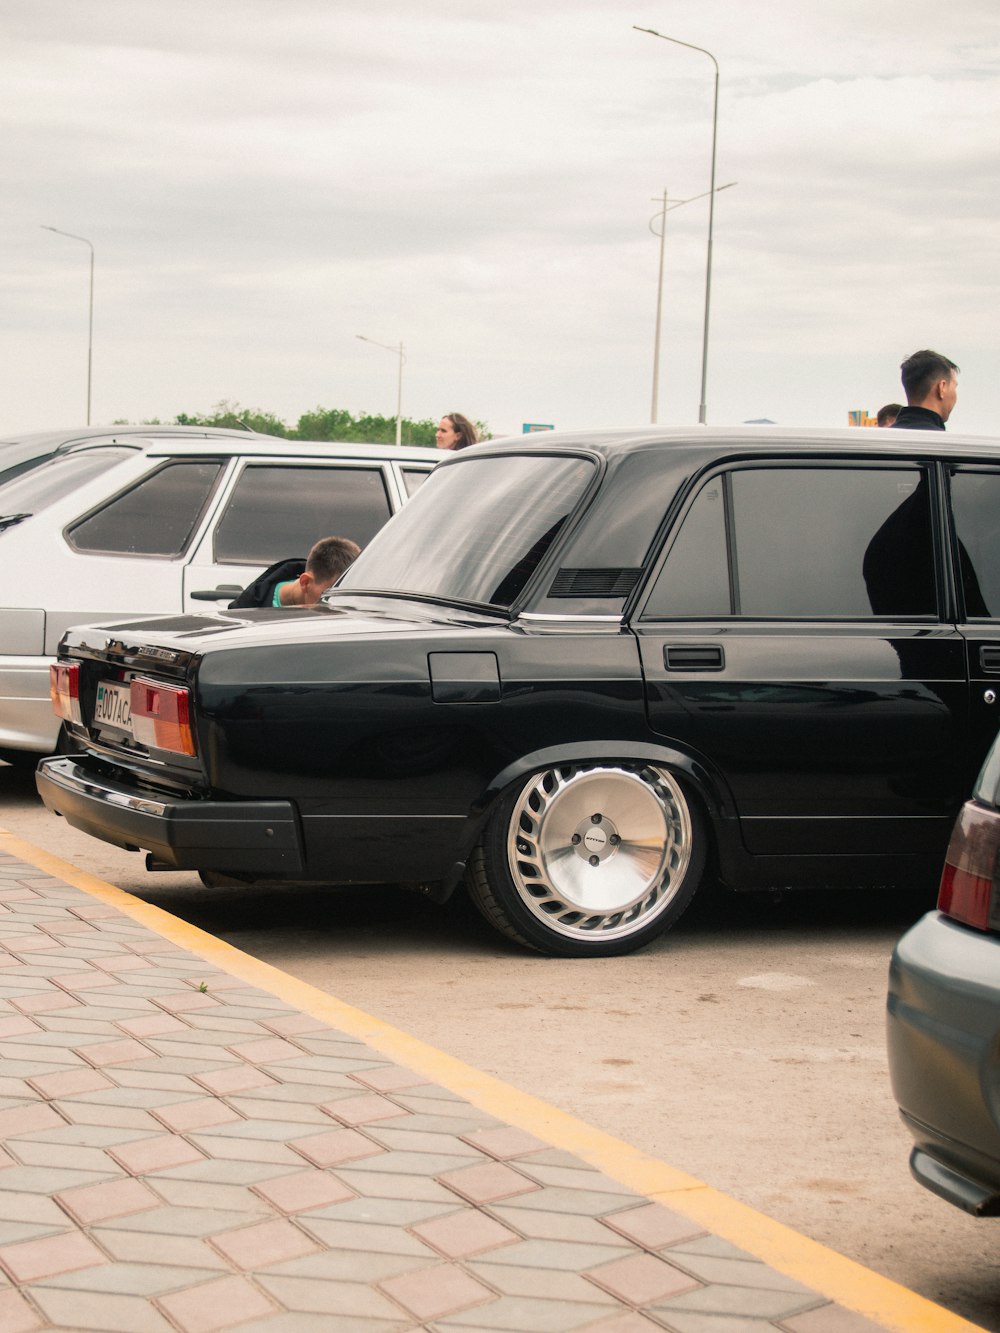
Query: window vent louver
[594, 582]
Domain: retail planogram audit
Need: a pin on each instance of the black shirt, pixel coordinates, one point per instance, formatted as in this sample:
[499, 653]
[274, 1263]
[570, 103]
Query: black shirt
[918, 418]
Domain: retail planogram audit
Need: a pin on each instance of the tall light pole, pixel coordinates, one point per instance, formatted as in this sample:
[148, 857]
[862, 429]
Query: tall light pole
[711, 208]
[90, 318]
[399, 389]
[666, 208]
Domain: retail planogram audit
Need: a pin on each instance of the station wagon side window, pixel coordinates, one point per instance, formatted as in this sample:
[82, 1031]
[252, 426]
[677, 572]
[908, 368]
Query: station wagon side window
[155, 517]
[281, 510]
[414, 478]
[975, 503]
[803, 542]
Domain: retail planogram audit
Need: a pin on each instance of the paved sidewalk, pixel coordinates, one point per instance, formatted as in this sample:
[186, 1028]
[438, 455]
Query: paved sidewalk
[187, 1151]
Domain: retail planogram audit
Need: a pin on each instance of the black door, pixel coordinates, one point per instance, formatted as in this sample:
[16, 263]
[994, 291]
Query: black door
[793, 638]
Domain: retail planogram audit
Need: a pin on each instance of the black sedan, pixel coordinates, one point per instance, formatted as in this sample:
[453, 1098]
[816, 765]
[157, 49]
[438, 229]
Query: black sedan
[578, 673]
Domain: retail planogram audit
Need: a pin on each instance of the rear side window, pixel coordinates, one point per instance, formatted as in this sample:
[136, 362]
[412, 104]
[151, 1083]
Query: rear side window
[975, 502]
[803, 543]
[414, 478]
[280, 511]
[155, 517]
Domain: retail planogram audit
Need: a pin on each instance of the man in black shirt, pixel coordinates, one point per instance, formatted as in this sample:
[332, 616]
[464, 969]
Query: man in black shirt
[931, 384]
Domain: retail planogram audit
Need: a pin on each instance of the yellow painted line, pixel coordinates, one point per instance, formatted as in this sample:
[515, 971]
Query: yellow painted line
[840, 1279]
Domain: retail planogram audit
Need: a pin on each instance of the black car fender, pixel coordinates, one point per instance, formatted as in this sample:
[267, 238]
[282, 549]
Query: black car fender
[708, 786]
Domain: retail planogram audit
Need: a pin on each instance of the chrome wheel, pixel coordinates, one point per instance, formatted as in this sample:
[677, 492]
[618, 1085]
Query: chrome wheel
[601, 853]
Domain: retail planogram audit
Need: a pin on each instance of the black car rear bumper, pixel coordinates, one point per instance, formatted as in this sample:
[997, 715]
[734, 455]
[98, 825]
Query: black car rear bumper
[259, 836]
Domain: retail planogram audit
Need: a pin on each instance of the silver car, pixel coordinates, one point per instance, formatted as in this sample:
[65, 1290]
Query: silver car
[164, 521]
[944, 1015]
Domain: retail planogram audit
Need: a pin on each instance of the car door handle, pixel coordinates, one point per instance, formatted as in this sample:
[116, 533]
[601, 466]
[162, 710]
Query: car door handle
[225, 592]
[989, 659]
[694, 657]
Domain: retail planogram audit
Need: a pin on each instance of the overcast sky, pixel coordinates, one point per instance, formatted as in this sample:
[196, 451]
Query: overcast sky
[263, 180]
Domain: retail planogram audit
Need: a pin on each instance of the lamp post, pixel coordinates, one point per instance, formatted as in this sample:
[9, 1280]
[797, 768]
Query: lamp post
[711, 209]
[398, 351]
[662, 214]
[90, 318]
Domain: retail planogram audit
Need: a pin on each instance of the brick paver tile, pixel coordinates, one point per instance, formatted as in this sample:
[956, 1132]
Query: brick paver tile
[633, 1322]
[199, 1114]
[121, 962]
[290, 1025]
[334, 1147]
[216, 1305]
[81, 981]
[180, 1002]
[303, 1190]
[264, 1244]
[268, 1050]
[156, 1154]
[363, 1110]
[16, 1120]
[534, 1224]
[433, 1293]
[145, 1247]
[389, 1078]
[653, 1226]
[463, 1233]
[238, 1078]
[16, 1025]
[64, 1253]
[69, 1083]
[331, 1306]
[486, 1182]
[111, 1198]
[44, 1001]
[104, 1053]
[151, 1025]
[505, 1141]
[642, 1278]
[290, 1112]
[100, 1312]
[830, 1319]
[16, 1315]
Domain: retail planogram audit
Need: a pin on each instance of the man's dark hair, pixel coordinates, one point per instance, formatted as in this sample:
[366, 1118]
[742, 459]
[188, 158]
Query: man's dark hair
[922, 370]
[330, 557]
[885, 416]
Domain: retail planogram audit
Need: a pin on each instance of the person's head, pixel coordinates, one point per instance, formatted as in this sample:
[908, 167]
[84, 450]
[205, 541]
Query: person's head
[885, 416]
[324, 565]
[456, 432]
[930, 380]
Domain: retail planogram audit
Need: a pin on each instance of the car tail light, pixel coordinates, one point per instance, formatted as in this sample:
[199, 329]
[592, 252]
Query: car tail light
[64, 691]
[968, 891]
[161, 716]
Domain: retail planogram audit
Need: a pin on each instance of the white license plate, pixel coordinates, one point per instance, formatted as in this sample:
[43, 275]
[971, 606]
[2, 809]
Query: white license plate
[112, 708]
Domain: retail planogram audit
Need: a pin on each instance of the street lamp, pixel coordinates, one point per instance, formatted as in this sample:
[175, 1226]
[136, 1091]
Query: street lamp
[662, 233]
[398, 351]
[90, 320]
[711, 207]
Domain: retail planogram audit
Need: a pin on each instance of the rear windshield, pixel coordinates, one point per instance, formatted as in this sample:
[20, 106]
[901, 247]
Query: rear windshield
[476, 531]
[60, 476]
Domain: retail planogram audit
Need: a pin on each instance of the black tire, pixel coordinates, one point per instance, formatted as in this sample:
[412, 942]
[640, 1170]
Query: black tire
[589, 860]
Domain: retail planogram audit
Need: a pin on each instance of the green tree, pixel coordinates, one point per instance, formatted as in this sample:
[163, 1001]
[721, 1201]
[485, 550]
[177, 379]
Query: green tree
[235, 417]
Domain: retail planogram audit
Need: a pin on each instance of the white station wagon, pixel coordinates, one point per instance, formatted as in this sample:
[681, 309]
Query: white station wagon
[167, 521]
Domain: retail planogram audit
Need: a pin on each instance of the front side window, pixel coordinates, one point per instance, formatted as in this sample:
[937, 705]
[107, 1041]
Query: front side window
[804, 543]
[282, 510]
[476, 531]
[154, 517]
